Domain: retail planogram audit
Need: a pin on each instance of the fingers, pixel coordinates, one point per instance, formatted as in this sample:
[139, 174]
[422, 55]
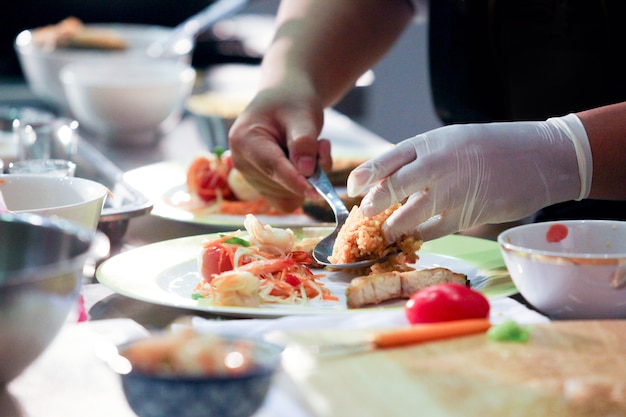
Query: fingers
[301, 134]
[407, 169]
[419, 218]
[275, 151]
[418, 208]
[363, 177]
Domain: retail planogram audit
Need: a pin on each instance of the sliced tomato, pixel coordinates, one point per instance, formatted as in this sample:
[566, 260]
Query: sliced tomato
[292, 280]
[208, 179]
[445, 302]
[215, 260]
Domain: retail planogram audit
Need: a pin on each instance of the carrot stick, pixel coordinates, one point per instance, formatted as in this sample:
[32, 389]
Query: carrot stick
[432, 331]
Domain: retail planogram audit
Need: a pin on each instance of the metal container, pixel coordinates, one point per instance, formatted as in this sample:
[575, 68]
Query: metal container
[41, 264]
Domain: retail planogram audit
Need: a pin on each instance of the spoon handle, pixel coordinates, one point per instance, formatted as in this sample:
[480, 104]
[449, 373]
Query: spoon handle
[322, 184]
[206, 18]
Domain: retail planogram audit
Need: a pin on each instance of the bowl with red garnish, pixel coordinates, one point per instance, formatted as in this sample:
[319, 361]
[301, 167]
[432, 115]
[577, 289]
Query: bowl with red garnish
[186, 374]
[571, 269]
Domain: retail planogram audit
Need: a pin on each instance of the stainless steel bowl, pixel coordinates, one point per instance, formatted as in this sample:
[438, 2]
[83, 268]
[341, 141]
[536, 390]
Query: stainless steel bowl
[41, 262]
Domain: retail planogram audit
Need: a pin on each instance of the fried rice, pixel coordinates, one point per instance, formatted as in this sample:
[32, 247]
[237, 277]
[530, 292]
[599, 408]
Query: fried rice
[361, 238]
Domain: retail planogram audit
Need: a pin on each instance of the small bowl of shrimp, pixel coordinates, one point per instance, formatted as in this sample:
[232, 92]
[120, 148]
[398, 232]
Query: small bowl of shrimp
[186, 374]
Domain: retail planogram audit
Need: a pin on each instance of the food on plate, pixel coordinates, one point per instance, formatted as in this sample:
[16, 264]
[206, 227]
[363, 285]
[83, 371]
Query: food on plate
[267, 267]
[72, 33]
[215, 185]
[445, 302]
[509, 331]
[187, 353]
[378, 287]
[361, 238]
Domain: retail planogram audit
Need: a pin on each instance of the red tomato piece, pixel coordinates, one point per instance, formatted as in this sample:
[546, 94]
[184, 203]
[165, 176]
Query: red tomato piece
[208, 179]
[292, 280]
[215, 260]
[445, 302]
[556, 233]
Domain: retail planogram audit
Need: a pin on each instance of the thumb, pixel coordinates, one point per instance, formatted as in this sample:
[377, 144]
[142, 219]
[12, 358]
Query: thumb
[302, 141]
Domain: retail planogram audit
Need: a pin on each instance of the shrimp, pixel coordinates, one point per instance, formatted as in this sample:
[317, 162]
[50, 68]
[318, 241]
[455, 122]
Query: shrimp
[269, 266]
[236, 288]
[268, 238]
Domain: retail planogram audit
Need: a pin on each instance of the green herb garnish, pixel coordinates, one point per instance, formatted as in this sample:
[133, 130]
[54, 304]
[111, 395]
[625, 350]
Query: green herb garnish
[219, 151]
[238, 241]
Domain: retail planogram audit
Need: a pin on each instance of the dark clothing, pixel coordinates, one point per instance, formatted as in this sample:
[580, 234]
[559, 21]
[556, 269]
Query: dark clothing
[525, 59]
[506, 60]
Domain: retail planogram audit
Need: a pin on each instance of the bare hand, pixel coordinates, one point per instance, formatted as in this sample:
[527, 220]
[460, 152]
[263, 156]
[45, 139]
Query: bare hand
[275, 145]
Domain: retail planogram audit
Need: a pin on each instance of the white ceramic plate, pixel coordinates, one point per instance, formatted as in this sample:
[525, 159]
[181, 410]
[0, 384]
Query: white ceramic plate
[165, 184]
[166, 272]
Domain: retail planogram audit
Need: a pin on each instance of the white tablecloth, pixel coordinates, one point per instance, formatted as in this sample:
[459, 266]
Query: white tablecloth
[72, 379]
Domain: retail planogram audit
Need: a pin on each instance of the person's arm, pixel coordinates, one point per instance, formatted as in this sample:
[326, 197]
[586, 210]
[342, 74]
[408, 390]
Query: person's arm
[330, 43]
[606, 129]
[320, 48]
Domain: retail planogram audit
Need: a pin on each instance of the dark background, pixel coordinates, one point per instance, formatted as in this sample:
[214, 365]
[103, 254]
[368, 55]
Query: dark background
[17, 15]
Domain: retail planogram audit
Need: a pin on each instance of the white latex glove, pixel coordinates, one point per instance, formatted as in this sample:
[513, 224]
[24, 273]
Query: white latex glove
[461, 176]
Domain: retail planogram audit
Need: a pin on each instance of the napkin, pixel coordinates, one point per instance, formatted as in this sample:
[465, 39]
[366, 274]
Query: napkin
[501, 309]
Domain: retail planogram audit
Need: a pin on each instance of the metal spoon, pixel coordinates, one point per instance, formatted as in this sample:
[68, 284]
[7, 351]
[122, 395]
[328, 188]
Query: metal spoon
[324, 248]
[197, 24]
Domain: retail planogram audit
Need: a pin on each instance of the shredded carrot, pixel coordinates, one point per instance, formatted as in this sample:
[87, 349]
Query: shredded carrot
[431, 331]
[284, 278]
[260, 206]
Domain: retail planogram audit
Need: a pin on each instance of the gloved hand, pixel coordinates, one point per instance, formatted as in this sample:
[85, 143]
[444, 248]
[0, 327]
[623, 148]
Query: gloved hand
[461, 176]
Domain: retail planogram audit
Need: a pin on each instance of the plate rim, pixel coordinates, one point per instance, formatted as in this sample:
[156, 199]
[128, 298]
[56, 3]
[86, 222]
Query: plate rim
[172, 170]
[114, 274]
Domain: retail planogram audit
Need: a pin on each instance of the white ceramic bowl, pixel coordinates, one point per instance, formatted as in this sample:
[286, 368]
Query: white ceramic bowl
[41, 67]
[579, 276]
[75, 199]
[128, 101]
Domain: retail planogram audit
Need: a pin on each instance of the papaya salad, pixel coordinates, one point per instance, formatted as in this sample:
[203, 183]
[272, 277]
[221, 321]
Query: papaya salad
[266, 267]
[215, 185]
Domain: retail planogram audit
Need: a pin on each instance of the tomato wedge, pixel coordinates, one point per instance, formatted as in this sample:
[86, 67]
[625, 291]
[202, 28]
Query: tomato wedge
[206, 180]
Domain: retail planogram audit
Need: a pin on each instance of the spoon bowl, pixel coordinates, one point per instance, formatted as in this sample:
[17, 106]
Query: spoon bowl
[324, 248]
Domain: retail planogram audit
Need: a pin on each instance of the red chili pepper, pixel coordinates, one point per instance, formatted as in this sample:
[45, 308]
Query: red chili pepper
[292, 280]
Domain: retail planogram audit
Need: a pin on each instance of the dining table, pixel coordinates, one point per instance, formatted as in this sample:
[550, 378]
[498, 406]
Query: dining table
[72, 378]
